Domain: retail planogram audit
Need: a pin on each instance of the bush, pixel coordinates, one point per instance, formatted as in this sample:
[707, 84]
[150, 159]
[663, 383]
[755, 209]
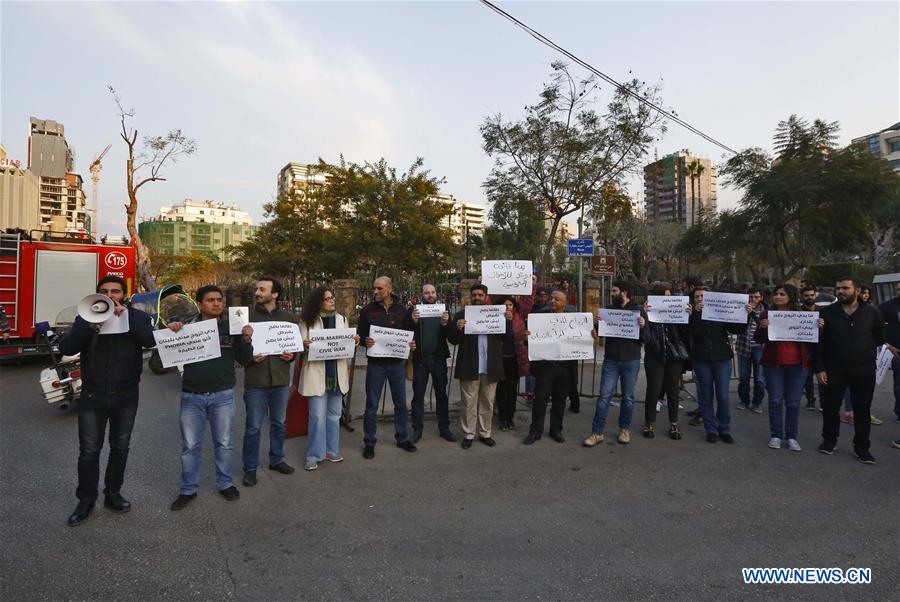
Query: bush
[826, 274]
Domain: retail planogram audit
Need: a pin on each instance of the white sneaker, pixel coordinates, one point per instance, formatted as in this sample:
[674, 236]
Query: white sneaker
[659, 406]
[614, 404]
[775, 443]
[794, 445]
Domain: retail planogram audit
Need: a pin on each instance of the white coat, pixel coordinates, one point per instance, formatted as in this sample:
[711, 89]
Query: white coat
[312, 376]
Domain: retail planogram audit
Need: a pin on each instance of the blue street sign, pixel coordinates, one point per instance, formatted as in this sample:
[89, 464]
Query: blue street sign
[581, 247]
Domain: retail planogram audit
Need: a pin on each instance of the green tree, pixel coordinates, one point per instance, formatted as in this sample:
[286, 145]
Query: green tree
[563, 152]
[516, 228]
[693, 171]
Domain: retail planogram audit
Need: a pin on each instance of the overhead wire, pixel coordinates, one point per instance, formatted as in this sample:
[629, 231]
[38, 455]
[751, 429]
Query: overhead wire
[550, 43]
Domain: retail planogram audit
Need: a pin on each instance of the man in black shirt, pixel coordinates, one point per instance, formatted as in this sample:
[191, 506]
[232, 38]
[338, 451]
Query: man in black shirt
[845, 357]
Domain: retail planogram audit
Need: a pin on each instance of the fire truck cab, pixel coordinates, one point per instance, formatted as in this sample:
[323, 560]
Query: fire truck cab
[43, 273]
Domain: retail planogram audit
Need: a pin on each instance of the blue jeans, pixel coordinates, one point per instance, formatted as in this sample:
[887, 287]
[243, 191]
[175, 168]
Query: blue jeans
[437, 369]
[394, 372]
[196, 408]
[257, 401]
[748, 364]
[785, 387]
[324, 425]
[712, 379]
[611, 373]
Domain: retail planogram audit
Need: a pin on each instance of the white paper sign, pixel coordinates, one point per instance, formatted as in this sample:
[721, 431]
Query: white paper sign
[238, 317]
[725, 307]
[389, 342]
[882, 363]
[560, 336]
[506, 277]
[802, 326]
[195, 342]
[115, 324]
[485, 319]
[275, 338]
[619, 324]
[331, 344]
[668, 309]
[431, 310]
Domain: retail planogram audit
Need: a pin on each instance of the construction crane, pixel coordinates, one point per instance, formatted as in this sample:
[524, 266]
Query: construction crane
[95, 180]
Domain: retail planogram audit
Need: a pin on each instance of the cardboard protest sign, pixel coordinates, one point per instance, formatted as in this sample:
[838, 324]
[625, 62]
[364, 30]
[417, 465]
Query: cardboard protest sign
[725, 307]
[485, 319]
[195, 342]
[331, 344]
[389, 342]
[275, 338]
[238, 317]
[560, 336]
[668, 309]
[619, 323]
[507, 276]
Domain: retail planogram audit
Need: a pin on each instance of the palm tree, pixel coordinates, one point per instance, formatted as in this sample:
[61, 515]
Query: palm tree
[693, 170]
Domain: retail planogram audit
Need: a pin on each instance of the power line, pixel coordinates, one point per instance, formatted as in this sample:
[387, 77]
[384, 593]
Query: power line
[548, 42]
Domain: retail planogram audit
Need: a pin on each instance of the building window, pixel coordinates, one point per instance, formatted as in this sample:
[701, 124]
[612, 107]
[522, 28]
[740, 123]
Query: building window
[893, 146]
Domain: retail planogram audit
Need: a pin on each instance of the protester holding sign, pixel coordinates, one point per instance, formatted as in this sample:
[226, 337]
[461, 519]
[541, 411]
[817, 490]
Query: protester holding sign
[430, 360]
[207, 394]
[111, 368]
[267, 382]
[711, 356]
[749, 354]
[785, 364]
[621, 362]
[515, 364]
[479, 367]
[385, 311]
[324, 383]
[845, 358]
[664, 357]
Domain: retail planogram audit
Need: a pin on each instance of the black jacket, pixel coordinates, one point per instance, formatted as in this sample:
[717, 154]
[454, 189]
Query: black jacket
[709, 340]
[467, 354]
[849, 343]
[110, 363]
[443, 351]
[657, 337]
[625, 349]
[890, 311]
[374, 314]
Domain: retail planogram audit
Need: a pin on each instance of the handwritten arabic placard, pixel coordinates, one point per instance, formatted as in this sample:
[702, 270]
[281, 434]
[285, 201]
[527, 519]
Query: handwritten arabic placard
[195, 342]
[275, 338]
[238, 317]
[485, 319]
[560, 336]
[668, 309]
[619, 324]
[725, 307]
[802, 326]
[506, 276]
[431, 310]
[389, 342]
[331, 344]
[882, 363]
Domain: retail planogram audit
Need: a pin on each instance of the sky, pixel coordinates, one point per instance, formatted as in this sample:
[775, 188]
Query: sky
[258, 85]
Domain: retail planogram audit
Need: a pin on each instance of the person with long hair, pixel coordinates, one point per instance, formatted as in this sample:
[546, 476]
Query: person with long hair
[323, 383]
[785, 364]
[515, 364]
[664, 357]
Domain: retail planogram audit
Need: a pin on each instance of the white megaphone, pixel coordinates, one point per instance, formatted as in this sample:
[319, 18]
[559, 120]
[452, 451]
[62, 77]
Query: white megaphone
[96, 308]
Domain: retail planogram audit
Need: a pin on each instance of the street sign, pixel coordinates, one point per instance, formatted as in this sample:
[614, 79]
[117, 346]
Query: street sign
[581, 247]
[603, 265]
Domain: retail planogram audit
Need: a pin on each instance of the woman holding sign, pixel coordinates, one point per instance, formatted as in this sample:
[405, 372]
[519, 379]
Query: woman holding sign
[324, 381]
[785, 365]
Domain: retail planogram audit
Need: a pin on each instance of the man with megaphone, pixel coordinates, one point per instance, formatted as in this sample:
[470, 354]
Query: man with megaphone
[111, 367]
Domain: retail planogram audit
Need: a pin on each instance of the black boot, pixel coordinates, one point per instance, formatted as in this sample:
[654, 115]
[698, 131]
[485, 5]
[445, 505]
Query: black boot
[82, 511]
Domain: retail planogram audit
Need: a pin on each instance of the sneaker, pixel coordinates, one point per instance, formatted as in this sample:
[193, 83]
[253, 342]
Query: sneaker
[757, 409]
[775, 443]
[593, 440]
[811, 406]
[794, 445]
[742, 406]
[874, 420]
[864, 456]
[282, 468]
[230, 494]
[726, 438]
[827, 447]
[181, 501]
[334, 457]
[846, 417]
[712, 438]
[310, 465]
[614, 404]
[369, 452]
[249, 479]
[624, 436]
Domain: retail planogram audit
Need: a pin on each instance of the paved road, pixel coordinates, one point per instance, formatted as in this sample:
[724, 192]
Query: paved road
[658, 519]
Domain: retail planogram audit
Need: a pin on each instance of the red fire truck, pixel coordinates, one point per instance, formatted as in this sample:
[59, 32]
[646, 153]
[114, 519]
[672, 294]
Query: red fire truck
[43, 275]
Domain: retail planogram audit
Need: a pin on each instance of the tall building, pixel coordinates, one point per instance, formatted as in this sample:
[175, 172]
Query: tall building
[62, 197]
[20, 196]
[206, 226]
[299, 178]
[885, 143]
[465, 217]
[667, 189]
